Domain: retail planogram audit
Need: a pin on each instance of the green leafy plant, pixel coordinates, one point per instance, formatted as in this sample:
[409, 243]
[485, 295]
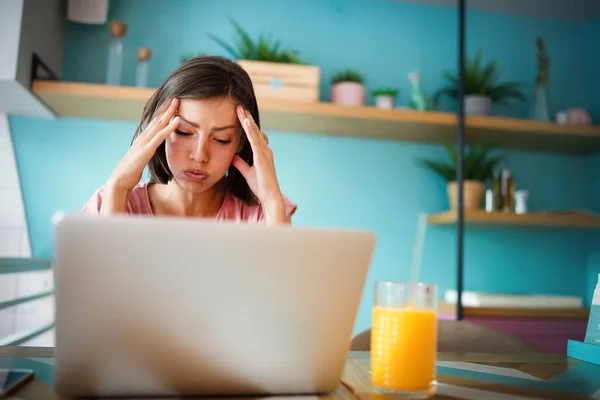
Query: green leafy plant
[481, 79]
[263, 49]
[347, 75]
[479, 163]
[385, 92]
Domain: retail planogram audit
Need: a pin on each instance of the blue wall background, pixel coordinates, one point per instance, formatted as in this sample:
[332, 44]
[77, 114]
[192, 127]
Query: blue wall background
[594, 238]
[593, 63]
[333, 179]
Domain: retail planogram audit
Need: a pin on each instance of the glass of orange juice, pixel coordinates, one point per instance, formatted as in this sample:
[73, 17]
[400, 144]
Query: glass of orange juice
[404, 339]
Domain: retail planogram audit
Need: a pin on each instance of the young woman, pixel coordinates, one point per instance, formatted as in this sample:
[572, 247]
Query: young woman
[200, 138]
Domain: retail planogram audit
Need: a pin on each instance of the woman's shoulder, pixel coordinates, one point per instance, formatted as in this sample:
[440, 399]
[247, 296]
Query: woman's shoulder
[236, 209]
[138, 203]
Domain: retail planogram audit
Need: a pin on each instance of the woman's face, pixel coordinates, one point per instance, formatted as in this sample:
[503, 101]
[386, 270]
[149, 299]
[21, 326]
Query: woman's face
[200, 151]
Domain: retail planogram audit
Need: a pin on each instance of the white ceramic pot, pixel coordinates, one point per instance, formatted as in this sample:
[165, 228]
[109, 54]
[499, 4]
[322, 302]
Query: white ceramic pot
[384, 101]
[478, 105]
[348, 94]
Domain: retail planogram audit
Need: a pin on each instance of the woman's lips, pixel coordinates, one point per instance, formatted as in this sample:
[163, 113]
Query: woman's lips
[195, 175]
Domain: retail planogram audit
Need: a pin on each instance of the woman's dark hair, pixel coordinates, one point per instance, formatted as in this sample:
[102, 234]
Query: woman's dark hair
[204, 77]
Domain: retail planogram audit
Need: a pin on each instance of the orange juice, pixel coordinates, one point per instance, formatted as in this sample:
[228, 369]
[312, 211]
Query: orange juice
[403, 348]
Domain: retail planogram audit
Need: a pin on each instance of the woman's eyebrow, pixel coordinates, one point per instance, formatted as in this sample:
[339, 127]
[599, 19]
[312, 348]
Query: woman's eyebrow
[223, 128]
[195, 125]
[215, 129]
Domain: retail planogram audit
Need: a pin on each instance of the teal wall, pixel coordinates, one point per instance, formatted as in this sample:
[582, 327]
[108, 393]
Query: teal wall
[594, 238]
[333, 179]
[593, 64]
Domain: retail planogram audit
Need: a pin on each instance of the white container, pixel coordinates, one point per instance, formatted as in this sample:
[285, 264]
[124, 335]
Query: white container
[521, 197]
[562, 117]
[385, 101]
[490, 205]
[87, 11]
[478, 105]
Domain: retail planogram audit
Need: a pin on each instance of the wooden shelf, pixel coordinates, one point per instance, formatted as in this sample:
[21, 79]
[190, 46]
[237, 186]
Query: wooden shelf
[544, 219]
[84, 100]
[507, 312]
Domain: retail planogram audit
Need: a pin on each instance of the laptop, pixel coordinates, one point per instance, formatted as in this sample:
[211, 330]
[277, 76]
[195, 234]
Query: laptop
[169, 306]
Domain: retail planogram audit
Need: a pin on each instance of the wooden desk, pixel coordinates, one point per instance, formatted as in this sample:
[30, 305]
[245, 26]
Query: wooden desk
[542, 369]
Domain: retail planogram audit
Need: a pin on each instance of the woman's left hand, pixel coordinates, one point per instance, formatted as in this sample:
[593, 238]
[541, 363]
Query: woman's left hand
[261, 176]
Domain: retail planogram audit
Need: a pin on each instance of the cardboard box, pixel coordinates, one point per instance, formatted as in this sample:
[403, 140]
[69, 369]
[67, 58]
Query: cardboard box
[283, 81]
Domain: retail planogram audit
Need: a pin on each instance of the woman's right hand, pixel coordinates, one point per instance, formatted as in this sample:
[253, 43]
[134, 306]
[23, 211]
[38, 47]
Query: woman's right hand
[128, 172]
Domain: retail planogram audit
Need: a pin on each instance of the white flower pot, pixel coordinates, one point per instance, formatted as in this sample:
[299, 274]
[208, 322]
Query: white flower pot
[478, 105]
[384, 101]
[348, 94]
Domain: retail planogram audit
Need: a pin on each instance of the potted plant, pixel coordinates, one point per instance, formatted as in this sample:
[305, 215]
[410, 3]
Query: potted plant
[482, 88]
[348, 88]
[276, 72]
[385, 98]
[479, 166]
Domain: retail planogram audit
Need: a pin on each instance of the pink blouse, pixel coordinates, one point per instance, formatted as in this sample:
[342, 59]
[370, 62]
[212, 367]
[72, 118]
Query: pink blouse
[232, 208]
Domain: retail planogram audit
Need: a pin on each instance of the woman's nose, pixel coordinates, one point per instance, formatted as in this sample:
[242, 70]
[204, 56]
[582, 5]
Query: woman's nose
[200, 151]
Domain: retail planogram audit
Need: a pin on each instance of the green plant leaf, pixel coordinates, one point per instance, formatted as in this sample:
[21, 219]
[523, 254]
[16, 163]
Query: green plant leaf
[480, 79]
[446, 171]
[347, 75]
[385, 92]
[245, 42]
[452, 153]
[234, 54]
[479, 163]
[264, 48]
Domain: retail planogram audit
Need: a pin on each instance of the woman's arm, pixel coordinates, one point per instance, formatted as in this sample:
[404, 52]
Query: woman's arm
[114, 200]
[261, 177]
[275, 213]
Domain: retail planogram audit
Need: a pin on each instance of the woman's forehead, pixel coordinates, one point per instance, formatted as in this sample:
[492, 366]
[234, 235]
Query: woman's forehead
[208, 111]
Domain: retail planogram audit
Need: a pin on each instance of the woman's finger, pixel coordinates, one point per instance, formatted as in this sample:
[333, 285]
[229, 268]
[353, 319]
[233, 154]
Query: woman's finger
[162, 134]
[252, 131]
[162, 119]
[241, 166]
[260, 134]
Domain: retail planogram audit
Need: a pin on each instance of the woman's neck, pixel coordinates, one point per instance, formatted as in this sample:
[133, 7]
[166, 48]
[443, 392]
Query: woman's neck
[172, 199]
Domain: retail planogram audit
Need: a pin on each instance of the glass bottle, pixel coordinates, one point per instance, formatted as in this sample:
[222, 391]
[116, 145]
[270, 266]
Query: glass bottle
[114, 69]
[508, 190]
[141, 72]
[497, 190]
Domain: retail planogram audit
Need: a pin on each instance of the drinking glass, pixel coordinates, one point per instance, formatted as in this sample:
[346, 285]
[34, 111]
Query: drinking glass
[404, 339]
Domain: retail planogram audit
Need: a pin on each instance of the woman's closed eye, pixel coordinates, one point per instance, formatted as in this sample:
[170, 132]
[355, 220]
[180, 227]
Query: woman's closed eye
[220, 141]
[182, 133]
